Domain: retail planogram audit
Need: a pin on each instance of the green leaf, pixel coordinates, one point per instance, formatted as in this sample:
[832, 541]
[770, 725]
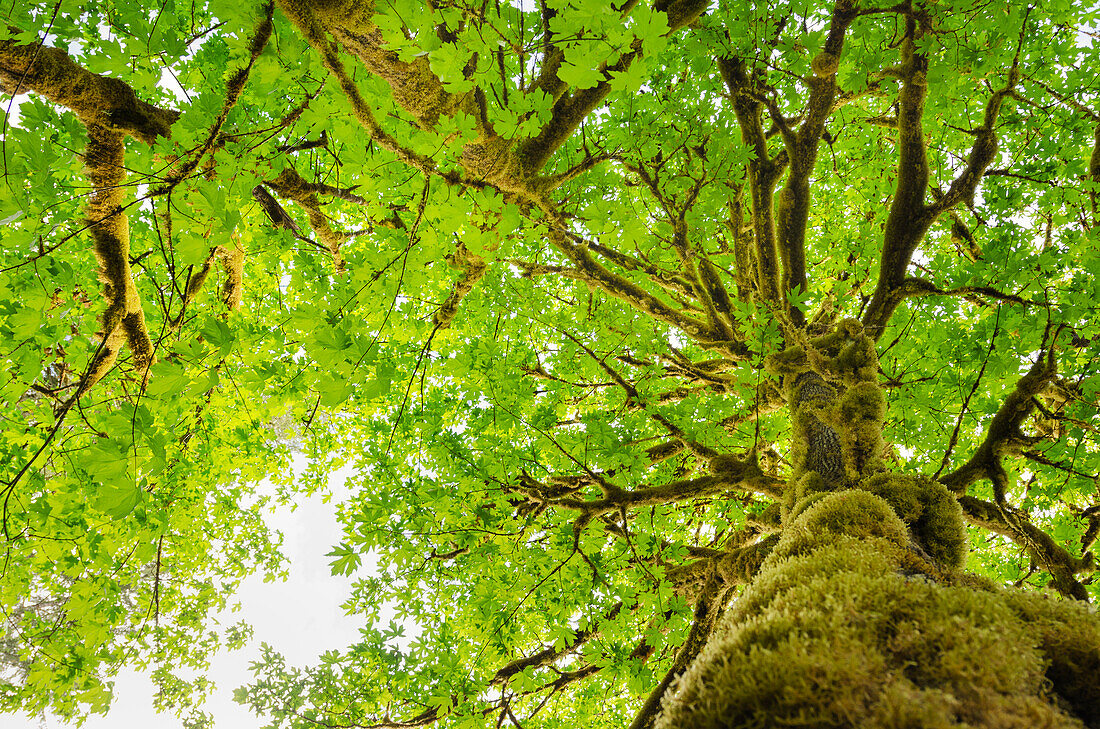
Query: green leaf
[582, 70]
[117, 501]
[449, 63]
[346, 560]
[166, 378]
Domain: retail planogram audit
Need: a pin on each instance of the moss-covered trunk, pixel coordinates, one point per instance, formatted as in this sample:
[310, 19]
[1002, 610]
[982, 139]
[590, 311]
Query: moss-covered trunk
[862, 616]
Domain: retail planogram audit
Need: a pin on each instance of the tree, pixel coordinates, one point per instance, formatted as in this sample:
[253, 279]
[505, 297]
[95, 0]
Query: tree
[700, 363]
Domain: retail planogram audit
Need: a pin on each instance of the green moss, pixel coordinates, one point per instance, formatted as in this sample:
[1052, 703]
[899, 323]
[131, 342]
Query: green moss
[856, 514]
[973, 581]
[846, 355]
[790, 361]
[831, 632]
[808, 484]
[804, 502]
[768, 520]
[728, 464]
[836, 638]
[781, 573]
[837, 407]
[858, 362]
[859, 417]
[931, 512]
[1069, 638]
[350, 14]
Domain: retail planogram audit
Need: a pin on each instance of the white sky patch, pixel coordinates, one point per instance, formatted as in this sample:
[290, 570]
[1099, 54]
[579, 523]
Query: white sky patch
[11, 109]
[171, 84]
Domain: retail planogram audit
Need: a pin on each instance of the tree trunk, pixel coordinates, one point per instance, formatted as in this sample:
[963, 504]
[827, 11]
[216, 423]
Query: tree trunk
[862, 616]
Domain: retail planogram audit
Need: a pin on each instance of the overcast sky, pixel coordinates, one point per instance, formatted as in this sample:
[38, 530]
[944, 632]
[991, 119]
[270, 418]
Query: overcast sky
[301, 618]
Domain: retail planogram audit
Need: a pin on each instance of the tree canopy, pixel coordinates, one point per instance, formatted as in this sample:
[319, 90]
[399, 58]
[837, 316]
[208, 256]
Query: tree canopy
[542, 273]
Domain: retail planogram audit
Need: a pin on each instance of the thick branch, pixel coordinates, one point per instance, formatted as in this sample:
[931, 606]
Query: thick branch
[734, 476]
[473, 268]
[1010, 523]
[909, 217]
[567, 114]
[570, 110]
[1004, 429]
[123, 318]
[916, 287]
[290, 184]
[98, 100]
[764, 173]
[413, 86]
[802, 146]
[708, 610]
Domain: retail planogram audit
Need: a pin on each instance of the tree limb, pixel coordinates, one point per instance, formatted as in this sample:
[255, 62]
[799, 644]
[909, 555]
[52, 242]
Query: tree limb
[708, 610]
[101, 101]
[763, 174]
[124, 318]
[792, 213]
[570, 110]
[1013, 524]
[290, 184]
[909, 218]
[473, 268]
[1004, 428]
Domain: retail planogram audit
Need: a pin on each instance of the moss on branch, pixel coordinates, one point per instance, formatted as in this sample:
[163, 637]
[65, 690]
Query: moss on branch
[1004, 429]
[473, 268]
[291, 185]
[101, 101]
[764, 172]
[910, 216]
[1055, 559]
[792, 212]
[232, 263]
[123, 319]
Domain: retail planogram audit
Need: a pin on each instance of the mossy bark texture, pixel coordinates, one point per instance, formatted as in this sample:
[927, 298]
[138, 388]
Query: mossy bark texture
[861, 616]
